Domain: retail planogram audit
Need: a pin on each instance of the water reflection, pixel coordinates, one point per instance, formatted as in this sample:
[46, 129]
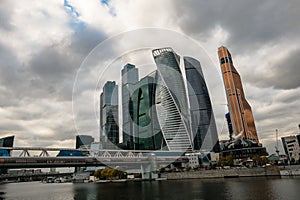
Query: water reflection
[238, 188]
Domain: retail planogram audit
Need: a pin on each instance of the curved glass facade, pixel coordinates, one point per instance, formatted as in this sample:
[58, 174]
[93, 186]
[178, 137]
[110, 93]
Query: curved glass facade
[240, 111]
[147, 133]
[165, 110]
[171, 100]
[203, 124]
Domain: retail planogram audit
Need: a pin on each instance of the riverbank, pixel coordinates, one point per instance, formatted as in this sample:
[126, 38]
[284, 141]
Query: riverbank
[235, 172]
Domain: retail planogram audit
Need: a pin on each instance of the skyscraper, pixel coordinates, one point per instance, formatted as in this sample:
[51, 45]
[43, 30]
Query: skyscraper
[6, 142]
[239, 109]
[171, 100]
[130, 76]
[83, 140]
[204, 128]
[147, 133]
[109, 113]
[158, 112]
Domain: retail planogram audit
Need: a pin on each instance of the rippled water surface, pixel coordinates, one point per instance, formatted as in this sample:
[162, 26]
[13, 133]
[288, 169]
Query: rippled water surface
[236, 188]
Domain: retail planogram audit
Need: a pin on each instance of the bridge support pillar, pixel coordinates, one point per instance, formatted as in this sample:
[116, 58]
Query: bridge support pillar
[149, 171]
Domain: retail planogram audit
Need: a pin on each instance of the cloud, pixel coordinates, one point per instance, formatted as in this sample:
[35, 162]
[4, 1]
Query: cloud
[250, 24]
[42, 45]
[41, 51]
[285, 72]
[5, 15]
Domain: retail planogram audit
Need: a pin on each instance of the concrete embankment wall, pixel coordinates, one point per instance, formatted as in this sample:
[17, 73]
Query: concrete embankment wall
[292, 170]
[221, 173]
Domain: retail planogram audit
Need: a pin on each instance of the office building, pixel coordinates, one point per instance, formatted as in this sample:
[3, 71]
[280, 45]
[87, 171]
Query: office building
[6, 142]
[159, 113]
[239, 109]
[129, 77]
[83, 140]
[147, 134]
[204, 130]
[171, 100]
[109, 113]
[291, 146]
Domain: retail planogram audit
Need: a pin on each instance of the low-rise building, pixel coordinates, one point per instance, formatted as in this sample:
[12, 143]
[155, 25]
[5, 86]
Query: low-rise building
[291, 146]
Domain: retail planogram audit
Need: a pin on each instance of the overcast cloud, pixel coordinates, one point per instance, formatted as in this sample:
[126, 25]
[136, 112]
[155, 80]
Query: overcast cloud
[43, 43]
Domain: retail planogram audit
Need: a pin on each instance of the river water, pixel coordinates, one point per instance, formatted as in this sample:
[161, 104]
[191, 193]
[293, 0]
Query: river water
[217, 189]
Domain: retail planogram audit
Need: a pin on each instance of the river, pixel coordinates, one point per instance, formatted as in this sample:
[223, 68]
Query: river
[233, 188]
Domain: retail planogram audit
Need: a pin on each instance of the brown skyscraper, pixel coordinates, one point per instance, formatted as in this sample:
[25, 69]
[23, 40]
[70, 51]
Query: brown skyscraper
[239, 109]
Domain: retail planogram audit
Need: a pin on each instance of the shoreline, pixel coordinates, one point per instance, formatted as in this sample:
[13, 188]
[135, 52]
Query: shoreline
[270, 171]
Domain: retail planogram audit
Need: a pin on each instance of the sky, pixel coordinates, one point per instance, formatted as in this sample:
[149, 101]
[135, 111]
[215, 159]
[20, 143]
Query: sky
[54, 55]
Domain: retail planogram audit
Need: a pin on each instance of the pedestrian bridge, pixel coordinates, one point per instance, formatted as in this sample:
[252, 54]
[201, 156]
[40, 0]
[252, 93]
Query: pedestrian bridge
[113, 158]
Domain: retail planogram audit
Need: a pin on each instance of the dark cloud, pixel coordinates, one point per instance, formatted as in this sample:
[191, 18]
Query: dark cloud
[250, 24]
[33, 92]
[85, 38]
[36, 94]
[51, 65]
[284, 74]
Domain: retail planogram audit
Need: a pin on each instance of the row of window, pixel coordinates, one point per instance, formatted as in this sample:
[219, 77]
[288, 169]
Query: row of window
[226, 60]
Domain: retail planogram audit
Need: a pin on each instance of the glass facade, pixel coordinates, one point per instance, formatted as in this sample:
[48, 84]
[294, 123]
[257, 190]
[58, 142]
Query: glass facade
[6, 142]
[204, 131]
[240, 111]
[130, 76]
[229, 124]
[156, 113]
[244, 152]
[147, 133]
[109, 113]
[83, 140]
[171, 100]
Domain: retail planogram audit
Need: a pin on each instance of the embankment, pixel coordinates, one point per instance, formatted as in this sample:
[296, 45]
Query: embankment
[223, 173]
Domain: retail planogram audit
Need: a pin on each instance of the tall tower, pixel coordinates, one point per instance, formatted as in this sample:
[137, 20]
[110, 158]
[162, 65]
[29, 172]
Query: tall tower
[171, 100]
[204, 128]
[147, 133]
[239, 109]
[109, 117]
[129, 77]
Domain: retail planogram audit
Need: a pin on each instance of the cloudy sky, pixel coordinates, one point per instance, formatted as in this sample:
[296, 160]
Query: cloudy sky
[44, 44]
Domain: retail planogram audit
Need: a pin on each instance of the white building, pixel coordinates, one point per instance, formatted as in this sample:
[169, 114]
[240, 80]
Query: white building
[291, 145]
[193, 159]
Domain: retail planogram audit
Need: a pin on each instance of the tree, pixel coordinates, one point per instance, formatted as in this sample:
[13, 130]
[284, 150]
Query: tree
[222, 161]
[108, 173]
[264, 160]
[229, 160]
[255, 159]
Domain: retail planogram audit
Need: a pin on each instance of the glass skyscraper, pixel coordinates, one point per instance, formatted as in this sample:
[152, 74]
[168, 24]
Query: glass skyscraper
[83, 140]
[129, 77]
[147, 133]
[158, 112]
[109, 113]
[171, 100]
[6, 142]
[239, 109]
[204, 129]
